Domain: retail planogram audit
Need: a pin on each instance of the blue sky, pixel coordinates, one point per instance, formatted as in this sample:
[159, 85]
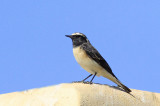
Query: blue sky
[34, 51]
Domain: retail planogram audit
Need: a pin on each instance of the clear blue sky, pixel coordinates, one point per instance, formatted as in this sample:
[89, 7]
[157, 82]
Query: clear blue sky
[34, 51]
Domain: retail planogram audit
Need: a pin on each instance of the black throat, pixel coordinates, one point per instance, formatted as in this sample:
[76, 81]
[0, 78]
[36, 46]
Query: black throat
[76, 44]
[78, 41]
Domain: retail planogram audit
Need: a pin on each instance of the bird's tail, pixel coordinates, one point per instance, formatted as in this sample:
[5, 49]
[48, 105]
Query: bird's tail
[115, 80]
[123, 86]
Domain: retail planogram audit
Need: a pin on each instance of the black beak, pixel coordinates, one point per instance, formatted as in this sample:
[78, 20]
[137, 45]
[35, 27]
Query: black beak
[70, 36]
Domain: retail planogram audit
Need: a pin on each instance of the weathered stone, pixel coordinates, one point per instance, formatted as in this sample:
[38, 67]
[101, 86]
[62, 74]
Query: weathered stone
[79, 94]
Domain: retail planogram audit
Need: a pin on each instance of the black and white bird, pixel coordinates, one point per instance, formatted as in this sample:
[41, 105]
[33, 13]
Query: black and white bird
[91, 60]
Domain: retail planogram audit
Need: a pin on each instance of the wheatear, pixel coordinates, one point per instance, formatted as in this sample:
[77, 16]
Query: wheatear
[91, 60]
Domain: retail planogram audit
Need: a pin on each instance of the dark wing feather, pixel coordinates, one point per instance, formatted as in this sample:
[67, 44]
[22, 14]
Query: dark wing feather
[96, 56]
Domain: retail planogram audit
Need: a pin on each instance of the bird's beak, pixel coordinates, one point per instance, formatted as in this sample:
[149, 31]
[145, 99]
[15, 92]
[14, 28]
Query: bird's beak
[70, 36]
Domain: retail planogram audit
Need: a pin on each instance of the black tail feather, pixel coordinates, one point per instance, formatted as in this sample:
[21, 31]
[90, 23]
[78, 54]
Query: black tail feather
[126, 88]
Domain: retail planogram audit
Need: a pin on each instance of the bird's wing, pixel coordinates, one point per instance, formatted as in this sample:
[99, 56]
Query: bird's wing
[96, 56]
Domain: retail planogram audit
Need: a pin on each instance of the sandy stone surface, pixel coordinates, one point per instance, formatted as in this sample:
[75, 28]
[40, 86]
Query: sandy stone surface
[79, 94]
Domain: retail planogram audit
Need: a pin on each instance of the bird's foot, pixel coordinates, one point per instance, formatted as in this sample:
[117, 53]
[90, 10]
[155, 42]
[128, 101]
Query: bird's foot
[77, 82]
[90, 82]
[85, 82]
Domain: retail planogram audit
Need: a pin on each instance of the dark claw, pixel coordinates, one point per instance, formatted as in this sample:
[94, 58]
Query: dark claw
[90, 82]
[87, 82]
[77, 82]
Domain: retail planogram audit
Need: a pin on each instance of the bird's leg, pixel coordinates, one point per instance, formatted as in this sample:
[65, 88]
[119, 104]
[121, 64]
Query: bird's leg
[83, 80]
[92, 78]
[87, 77]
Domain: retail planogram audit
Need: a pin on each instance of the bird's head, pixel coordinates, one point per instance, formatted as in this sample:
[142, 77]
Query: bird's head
[78, 39]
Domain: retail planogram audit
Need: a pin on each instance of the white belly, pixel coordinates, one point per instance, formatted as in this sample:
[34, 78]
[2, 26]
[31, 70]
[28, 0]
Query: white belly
[87, 63]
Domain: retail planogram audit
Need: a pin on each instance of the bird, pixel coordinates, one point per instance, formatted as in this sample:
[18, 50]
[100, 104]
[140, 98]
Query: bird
[91, 60]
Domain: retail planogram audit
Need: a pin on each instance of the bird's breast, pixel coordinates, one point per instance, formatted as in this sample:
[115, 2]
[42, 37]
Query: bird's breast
[80, 56]
[85, 62]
